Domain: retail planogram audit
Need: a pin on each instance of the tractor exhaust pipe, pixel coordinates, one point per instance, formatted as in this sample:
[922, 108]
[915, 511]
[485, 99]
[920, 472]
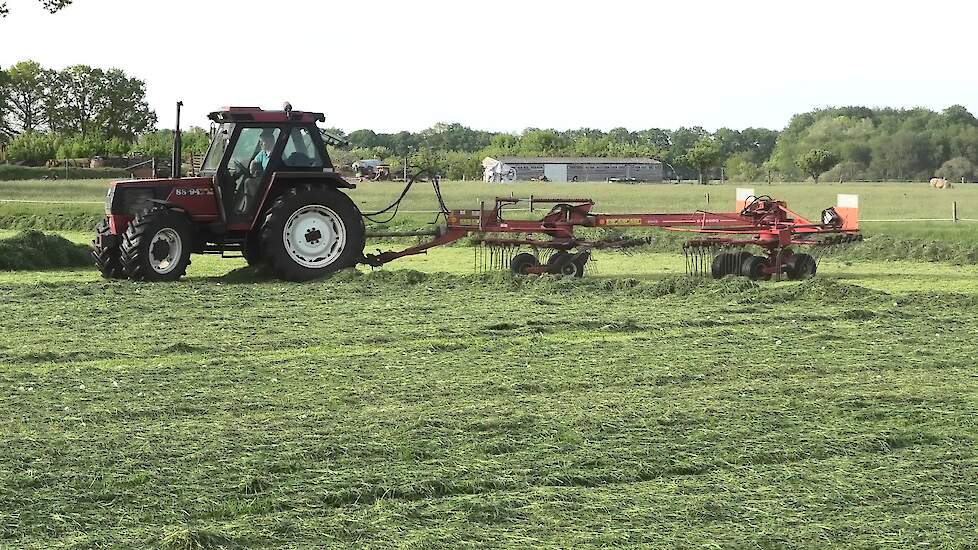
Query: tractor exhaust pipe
[177, 147]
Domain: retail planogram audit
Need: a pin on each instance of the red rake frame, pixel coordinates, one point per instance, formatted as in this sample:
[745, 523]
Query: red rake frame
[759, 221]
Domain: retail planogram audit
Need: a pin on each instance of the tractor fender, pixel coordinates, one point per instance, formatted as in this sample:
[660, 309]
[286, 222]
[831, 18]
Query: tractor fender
[286, 180]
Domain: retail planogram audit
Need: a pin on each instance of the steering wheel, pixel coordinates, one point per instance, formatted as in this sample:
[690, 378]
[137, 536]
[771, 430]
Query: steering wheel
[237, 169]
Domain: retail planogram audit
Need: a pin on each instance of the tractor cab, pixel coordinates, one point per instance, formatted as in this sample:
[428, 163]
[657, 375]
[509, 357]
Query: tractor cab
[250, 147]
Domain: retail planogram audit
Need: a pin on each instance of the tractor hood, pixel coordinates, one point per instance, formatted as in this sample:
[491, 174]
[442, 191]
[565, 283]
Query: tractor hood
[129, 197]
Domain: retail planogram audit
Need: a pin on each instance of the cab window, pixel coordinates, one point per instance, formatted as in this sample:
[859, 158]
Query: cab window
[253, 150]
[300, 150]
[216, 151]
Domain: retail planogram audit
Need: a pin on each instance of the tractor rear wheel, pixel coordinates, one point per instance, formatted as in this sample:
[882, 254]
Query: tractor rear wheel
[156, 246]
[310, 231]
[106, 256]
[801, 266]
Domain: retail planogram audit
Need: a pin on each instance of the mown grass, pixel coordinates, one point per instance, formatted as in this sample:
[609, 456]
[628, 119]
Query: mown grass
[32, 249]
[413, 409]
[424, 405]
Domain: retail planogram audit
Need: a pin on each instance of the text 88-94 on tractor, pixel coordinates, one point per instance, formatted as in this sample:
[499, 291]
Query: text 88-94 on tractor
[266, 189]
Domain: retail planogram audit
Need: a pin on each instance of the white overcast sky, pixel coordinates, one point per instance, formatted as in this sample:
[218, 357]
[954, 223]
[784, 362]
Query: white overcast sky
[508, 65]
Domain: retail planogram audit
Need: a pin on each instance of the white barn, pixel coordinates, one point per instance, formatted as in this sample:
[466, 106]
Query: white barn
[562, 169]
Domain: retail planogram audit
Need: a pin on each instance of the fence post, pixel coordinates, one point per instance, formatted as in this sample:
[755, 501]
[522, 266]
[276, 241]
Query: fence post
[531, 203]
[954, 211]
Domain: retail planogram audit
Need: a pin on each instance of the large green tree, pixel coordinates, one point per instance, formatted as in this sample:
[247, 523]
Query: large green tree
[26, 96]
[706, 154]
[816, 162]
[87, 100]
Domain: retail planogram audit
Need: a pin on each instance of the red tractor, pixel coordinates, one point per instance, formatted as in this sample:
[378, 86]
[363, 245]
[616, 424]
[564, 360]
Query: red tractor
[266, 190]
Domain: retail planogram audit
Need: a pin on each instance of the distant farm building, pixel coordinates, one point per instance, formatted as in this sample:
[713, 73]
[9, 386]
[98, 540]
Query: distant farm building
[572, 169]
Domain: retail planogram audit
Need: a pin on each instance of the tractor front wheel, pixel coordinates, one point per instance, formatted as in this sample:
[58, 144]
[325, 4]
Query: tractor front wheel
[107, 256]
[156, 246]
[310, 231]
[252, 250]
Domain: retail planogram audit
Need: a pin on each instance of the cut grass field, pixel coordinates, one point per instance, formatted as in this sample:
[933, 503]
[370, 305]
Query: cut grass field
[413, 409]
[425, 405]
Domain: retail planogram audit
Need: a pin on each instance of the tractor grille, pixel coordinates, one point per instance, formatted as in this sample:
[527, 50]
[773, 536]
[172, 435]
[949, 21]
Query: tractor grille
[132, 201]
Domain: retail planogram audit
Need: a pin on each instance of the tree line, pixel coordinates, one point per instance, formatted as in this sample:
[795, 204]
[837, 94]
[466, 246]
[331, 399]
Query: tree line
[79, 111]
[842, 144]
[83, 111]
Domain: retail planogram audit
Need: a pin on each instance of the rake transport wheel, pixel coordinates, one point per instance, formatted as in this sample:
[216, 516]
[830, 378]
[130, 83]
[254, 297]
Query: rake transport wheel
[723, 264]
[310, 231]
[564, 263]
[106, 256]
[753, 268]
[156, 246]
[522, 262]
[801, 266]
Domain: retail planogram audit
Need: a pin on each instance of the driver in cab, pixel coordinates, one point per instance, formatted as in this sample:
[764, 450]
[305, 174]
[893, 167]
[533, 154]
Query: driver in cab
[249, 185]
[260, 162]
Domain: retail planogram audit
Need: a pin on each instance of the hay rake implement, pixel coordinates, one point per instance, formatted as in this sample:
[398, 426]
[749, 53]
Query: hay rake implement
[724, 247]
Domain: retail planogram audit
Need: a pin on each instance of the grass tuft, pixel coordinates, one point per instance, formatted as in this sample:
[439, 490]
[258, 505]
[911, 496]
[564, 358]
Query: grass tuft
[196, 539]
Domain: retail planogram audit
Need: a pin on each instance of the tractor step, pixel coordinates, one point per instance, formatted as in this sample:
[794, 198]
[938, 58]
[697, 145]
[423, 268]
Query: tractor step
[236, 247]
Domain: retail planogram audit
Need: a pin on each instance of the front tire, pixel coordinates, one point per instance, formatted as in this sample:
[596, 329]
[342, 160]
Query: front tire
[252, 250]
[311, 231]
[156, 246]
[107, 256]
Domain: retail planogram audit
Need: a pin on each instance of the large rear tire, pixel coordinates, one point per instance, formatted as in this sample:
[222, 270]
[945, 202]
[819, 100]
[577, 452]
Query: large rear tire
[311, 231]
[107, 256]
[156, 246]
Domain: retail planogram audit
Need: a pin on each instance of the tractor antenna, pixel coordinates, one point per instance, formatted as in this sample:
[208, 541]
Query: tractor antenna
[177, 146]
